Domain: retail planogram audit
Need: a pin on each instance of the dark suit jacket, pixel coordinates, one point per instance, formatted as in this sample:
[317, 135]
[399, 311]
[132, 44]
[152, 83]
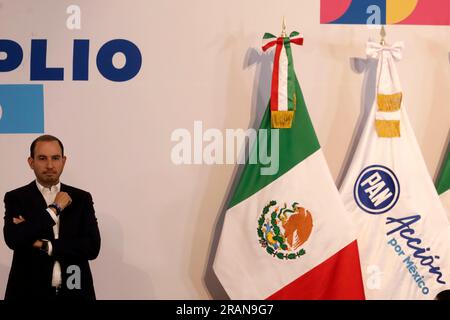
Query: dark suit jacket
[79, 241]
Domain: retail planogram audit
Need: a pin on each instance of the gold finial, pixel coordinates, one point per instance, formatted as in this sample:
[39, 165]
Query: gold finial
[283, 28]
[383, 35]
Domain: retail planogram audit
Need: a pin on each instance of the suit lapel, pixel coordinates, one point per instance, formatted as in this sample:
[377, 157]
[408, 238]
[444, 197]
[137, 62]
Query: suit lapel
[38, 203]
[36, 196]
[62, 216]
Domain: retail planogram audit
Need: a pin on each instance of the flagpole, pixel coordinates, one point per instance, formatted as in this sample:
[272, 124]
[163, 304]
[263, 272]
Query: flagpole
[383, 35]
[283, 28]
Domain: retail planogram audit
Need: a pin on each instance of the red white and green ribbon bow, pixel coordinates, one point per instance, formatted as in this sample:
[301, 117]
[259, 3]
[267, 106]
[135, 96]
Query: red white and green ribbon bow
[282, 99]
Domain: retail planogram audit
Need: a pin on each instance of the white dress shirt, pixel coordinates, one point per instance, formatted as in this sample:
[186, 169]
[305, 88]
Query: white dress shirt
[49, 195]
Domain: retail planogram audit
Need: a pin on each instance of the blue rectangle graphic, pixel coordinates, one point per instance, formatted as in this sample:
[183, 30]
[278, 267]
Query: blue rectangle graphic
[21, 108]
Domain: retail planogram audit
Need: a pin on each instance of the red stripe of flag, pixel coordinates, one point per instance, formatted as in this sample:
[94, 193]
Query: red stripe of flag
[275, 80]
[337, 278]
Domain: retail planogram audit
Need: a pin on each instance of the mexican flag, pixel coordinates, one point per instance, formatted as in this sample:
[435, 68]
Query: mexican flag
[402, 226]
[443, 184]
[287, 235]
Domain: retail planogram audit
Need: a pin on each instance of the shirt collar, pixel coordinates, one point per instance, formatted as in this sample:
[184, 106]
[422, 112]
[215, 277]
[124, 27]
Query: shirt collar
[56, 188]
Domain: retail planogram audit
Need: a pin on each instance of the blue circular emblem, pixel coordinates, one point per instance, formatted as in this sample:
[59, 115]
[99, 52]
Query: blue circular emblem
[376, 190]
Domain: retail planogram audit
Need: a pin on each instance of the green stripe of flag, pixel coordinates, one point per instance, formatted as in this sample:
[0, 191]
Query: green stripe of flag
[443, 183]
[295, 145]
[291, 74]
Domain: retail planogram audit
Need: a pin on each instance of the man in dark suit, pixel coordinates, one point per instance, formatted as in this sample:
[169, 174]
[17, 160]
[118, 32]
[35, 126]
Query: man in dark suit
[52, 229]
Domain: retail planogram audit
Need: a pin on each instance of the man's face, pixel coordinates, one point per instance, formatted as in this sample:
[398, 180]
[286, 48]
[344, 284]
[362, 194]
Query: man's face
[48, 162]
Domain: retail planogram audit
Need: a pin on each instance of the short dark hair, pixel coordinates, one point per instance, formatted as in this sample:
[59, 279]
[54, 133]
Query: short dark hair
[45, 137]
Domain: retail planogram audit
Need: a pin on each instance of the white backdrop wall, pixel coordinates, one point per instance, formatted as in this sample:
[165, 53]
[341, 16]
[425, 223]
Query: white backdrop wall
[201, 60]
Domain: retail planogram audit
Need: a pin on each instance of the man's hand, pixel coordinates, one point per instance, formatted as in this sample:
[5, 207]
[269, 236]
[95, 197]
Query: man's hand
[18, 220]
[63, 200]
[37, 244]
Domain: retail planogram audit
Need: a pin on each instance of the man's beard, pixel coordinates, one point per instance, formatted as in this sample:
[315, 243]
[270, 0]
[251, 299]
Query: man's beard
[50, 179]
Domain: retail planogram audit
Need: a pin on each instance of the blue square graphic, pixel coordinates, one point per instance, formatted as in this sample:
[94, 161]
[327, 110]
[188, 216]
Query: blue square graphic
[21, 108]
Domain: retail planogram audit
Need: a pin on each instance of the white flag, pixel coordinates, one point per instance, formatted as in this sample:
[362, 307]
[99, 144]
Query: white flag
[402, 227]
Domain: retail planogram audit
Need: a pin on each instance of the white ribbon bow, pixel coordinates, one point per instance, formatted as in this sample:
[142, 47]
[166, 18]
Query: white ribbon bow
[374, 50]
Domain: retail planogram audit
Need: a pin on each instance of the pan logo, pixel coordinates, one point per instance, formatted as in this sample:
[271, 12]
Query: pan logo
[376, 190]
[418, 12]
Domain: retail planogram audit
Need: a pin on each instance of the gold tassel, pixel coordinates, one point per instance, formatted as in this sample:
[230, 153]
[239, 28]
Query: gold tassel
[389, 102]
[388, 128]
[282, 119]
